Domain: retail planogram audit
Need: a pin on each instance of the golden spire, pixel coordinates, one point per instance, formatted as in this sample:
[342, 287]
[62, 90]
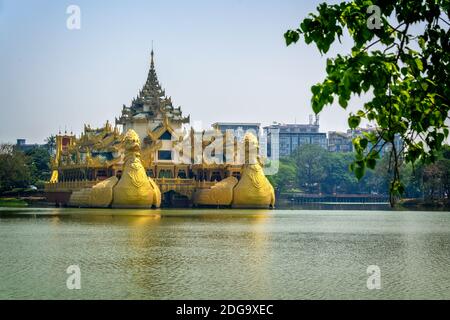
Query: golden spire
[152, 64]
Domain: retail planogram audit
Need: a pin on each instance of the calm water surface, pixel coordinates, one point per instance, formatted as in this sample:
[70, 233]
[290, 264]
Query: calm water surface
[223, 254]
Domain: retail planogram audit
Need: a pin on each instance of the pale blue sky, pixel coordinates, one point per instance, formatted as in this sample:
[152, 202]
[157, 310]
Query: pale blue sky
[219, 60]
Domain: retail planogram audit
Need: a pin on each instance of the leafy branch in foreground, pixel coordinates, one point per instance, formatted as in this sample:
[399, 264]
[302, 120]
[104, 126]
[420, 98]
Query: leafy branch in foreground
[406, 73]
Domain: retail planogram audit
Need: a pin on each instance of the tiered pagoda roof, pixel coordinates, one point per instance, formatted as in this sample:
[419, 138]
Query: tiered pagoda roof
[151, 103]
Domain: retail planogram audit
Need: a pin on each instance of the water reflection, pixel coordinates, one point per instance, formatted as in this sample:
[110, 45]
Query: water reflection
[223, 254]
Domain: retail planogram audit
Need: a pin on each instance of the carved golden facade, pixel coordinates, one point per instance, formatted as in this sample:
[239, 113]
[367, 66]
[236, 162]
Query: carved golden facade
[105, 167]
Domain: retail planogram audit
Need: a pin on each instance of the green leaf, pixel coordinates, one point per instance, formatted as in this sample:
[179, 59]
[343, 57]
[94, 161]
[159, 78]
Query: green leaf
[351, 167]
[317, 106]
[353, 122]
[422, 42]
[291, 36]
[371, 163]
[363, 143]
[419, 64]
[343, 102]
[360, 113]
[316, 89]
[359, 172]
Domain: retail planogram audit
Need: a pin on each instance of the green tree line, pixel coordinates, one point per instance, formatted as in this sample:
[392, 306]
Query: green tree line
[21, 169]
[312, 169]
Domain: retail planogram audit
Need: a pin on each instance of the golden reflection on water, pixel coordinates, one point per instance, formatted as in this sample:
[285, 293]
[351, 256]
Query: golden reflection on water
[54, 221]
[170, 242]
[144, 221]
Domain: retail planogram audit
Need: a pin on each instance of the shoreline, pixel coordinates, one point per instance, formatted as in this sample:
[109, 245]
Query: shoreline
[283, 204]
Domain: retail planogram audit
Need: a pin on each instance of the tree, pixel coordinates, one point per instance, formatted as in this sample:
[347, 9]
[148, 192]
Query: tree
[406, 72]
[338, 176]
[38, 161]
[50, 143]
[436, 177]
[311, 162]
[286, 177]
[412, 178]
[14, 172]
[378, 179]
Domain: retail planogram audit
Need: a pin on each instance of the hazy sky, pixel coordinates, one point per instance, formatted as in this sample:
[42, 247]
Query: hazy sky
[219, 60]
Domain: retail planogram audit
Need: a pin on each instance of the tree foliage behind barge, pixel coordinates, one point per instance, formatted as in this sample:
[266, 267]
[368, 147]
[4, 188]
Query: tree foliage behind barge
[337, 198]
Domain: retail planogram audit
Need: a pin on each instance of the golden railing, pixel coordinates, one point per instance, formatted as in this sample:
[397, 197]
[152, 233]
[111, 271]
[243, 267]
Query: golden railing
[69, 185]
[191, 182]
[182, 186]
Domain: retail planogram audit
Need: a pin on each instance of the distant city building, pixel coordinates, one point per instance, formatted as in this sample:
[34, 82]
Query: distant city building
[382, 147]
[292, 136]
[224, 126]
[23, 146]
[339, 141]
[342, 141]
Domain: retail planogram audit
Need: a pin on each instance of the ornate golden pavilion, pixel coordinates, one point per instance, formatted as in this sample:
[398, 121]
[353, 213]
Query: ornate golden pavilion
[135, 166]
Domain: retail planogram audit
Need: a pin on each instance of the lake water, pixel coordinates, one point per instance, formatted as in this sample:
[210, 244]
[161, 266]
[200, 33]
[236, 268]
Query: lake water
[223, 254]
